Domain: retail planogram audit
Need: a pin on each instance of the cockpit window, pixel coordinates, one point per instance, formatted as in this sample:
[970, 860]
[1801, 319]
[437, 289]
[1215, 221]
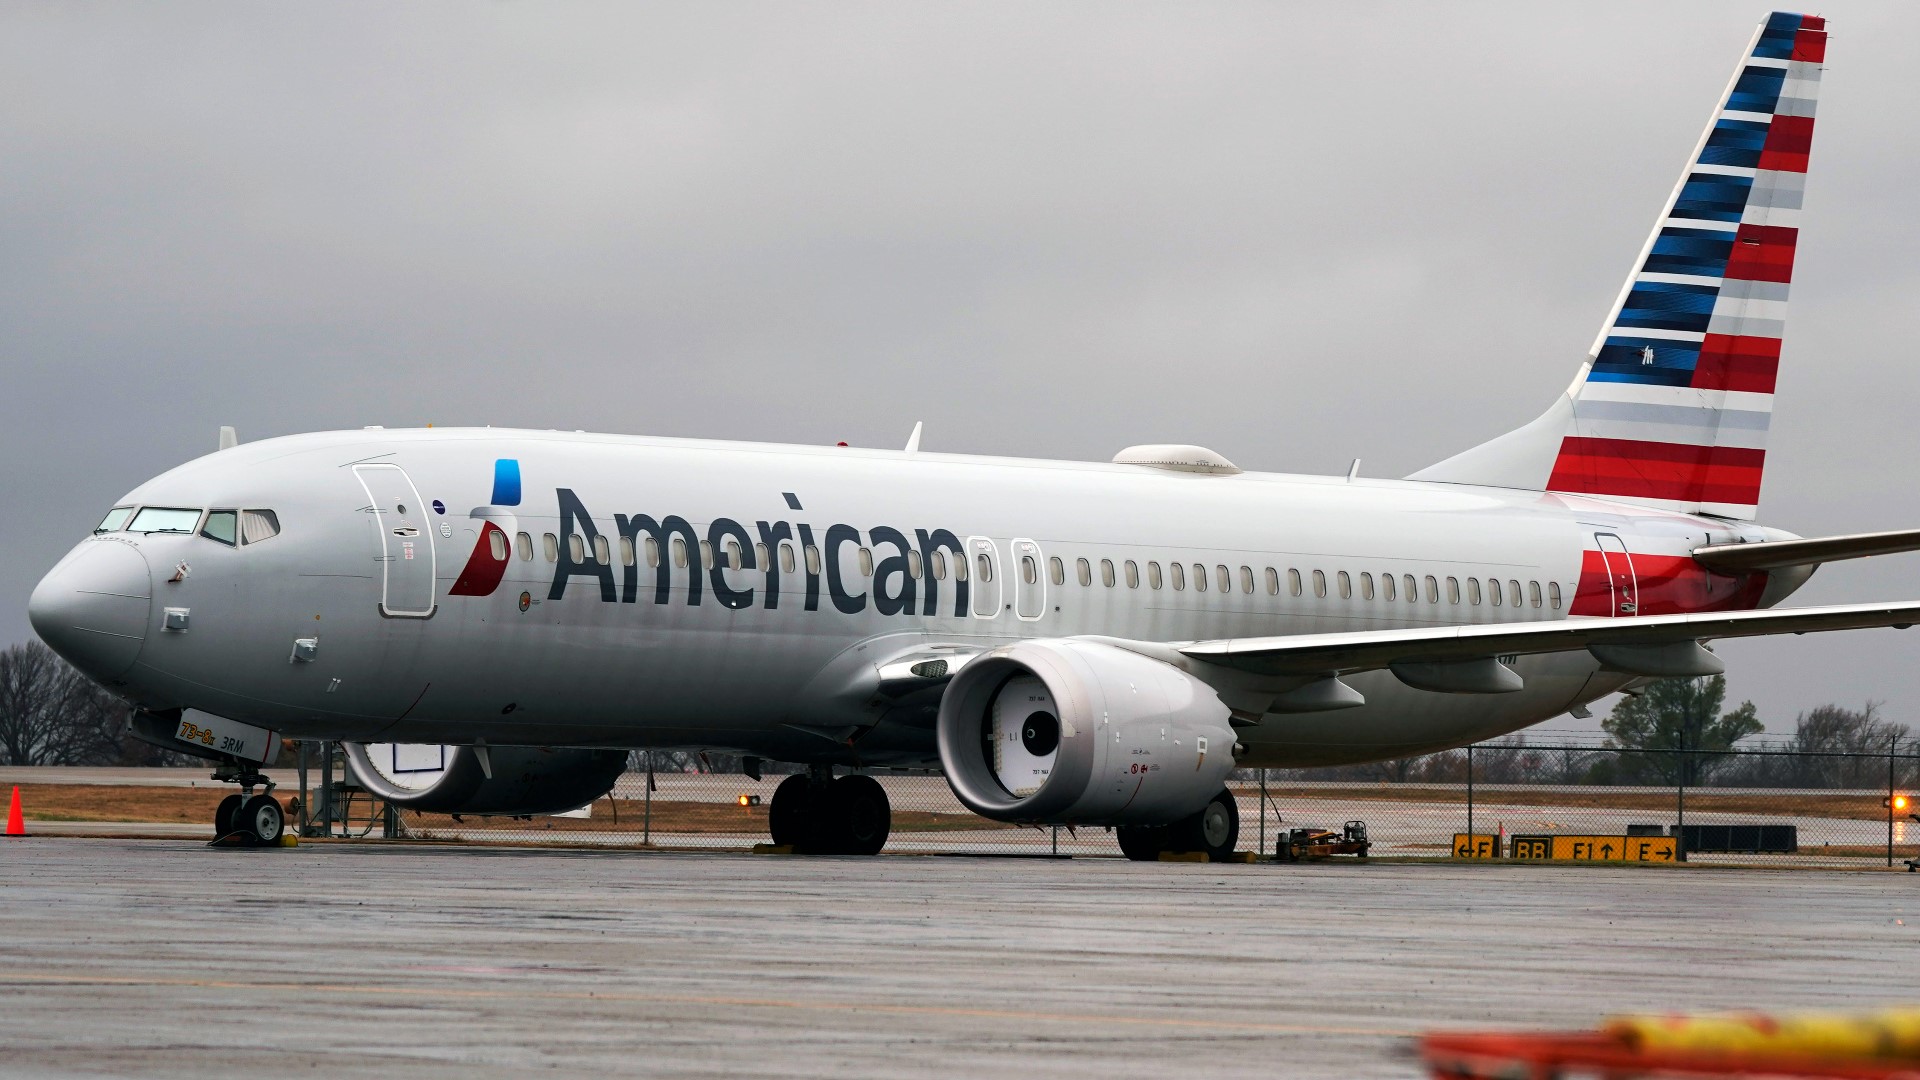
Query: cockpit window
[161, 519]
[258, 525]
[115, 518]
[222, 525]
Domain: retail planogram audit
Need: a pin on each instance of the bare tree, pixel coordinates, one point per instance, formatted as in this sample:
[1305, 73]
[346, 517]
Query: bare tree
[50, 714]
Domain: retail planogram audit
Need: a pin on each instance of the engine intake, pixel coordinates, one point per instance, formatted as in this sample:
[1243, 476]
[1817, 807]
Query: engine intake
[511, 780]
[1064, 732]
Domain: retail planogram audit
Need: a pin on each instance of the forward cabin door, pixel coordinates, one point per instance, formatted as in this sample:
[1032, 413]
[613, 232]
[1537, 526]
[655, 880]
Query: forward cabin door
[1620, 576]
[405, 543]
[983, 567]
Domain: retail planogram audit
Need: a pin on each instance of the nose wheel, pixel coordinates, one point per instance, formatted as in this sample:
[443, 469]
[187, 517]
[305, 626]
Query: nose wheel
[248, 818]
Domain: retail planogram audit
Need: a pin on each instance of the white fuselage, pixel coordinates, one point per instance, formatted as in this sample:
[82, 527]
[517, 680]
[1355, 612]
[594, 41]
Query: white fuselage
[778, 657]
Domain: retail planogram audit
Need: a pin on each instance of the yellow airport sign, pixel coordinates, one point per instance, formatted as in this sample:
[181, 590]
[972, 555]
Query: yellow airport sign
[1595, 848]
[1476, 846]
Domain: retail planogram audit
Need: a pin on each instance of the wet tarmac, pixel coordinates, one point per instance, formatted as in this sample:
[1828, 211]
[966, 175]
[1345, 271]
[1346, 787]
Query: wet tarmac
[166, 958]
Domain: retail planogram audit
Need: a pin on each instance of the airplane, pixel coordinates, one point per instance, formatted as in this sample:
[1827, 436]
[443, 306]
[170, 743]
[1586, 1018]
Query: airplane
[491, 619]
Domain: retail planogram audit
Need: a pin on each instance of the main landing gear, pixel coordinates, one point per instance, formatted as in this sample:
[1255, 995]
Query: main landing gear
[816, 814]
[1214, 830]
[248, 818]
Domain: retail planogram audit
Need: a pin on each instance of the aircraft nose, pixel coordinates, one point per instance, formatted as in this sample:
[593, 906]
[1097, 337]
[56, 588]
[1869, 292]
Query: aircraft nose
[93, 607]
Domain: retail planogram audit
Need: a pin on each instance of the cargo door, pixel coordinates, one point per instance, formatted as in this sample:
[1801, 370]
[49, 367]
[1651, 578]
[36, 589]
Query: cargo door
[405, 544]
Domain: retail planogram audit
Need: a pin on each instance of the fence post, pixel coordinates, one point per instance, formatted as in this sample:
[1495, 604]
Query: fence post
[1263, 811]
[646, 817]
[1892, 744]
[300, 822]
[1469, 790]
[1680, 796]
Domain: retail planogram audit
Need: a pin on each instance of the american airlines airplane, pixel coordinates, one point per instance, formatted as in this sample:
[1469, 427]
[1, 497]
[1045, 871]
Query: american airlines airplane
[491, 619]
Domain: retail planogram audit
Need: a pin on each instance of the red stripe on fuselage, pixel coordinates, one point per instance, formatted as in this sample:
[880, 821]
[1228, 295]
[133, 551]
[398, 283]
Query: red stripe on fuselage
[1667, 585]
[483, 572]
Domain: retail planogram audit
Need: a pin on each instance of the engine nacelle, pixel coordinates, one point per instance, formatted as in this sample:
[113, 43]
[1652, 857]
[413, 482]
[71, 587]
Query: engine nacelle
[1063, 732]
[507, 780]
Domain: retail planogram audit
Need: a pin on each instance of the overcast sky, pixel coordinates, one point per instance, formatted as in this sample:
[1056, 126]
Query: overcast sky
[1297, 234]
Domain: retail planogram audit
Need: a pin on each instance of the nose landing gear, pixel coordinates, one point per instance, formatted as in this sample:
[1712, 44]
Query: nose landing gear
[247, 818]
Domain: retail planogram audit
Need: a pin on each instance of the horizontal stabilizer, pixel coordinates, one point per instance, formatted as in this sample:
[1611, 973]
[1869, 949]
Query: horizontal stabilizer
[1320, 655]
[1774, 554]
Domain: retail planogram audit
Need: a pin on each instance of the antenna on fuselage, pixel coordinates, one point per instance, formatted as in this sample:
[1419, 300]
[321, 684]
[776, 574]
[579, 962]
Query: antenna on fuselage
[913, 440]
[228, 438]
[1353, 470]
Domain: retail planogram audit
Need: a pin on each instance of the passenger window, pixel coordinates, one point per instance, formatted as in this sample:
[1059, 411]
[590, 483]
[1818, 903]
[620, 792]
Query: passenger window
[222, 525]
[786, 558]
[1179, 574]
[913, 565]
[866, 562]
[812, 556]
[1199, 577]
[1106, 572]
[939, 560]
[1412, 588]
[984, 566]
[497, 544]
[1056, 571]
[1386, 586]
[1133, 574]
[600, 554]
[115, 518]
[1223, 579]
[706, 555]
[1029, 570]
[1083, 570]
[1246, 579]
[1366, 587]
[1513, 590]
[1553, 595]
[1453, 590]
[1473, 591]
[1493, 591]
[161, 519]
[1346, 586]
[551, 545]
[1433, 590]
[576, 548]
[734, 555]
[1153, 575]
[680, 552]
[1293, 583]
[1273, 582]
[523, 546]
[258, 525]
[653, 553]
[760, 557]
[959, 567]
[1320, 584]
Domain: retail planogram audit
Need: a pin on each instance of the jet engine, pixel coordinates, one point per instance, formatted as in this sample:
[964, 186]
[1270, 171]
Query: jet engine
[1065, 732]
[505, 780]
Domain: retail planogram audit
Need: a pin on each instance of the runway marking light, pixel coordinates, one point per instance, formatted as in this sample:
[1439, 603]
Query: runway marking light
[754, 800]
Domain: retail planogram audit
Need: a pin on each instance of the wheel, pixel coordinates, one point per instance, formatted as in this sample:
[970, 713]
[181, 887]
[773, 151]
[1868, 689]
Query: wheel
[854, 819]
[789, 813]
[1214, 830]
[1142, 843]
[223, 817]
[261, 821]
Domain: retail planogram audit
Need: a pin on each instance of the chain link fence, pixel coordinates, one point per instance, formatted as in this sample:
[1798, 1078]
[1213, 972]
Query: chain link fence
[1750, 806]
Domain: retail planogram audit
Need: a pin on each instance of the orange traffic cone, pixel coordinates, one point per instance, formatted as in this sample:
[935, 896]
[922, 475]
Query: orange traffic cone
[16, 824]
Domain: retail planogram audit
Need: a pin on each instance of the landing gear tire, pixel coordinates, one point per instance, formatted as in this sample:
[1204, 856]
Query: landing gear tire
[852, 817]
[261, 821]
[223, 817]
[1214, 830]
[790, 814]
[1143, 843]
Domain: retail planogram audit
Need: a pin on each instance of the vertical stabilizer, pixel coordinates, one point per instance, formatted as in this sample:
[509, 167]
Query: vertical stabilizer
[1672, 405]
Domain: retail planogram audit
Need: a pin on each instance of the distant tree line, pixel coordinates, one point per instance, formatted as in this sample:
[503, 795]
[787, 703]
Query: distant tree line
[1667, 732]
[50, 714]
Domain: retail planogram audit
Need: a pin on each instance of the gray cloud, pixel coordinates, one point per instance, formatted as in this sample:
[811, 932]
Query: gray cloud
[1299, 235]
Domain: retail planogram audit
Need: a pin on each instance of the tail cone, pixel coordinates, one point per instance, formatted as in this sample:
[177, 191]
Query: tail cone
[16, 824]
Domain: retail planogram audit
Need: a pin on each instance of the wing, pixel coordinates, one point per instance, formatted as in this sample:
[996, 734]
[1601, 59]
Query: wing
[1648, 645]
[1774, 554]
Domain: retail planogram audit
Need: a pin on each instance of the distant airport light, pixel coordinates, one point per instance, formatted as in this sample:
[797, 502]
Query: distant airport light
[1899, 802]
[754, 800]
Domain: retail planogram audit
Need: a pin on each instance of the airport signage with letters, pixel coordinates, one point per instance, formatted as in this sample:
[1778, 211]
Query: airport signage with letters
[1476, 846]
[1595, 848]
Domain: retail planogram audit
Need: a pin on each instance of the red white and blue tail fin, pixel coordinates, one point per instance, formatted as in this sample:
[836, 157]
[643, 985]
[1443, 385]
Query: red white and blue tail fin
[1672, 405]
